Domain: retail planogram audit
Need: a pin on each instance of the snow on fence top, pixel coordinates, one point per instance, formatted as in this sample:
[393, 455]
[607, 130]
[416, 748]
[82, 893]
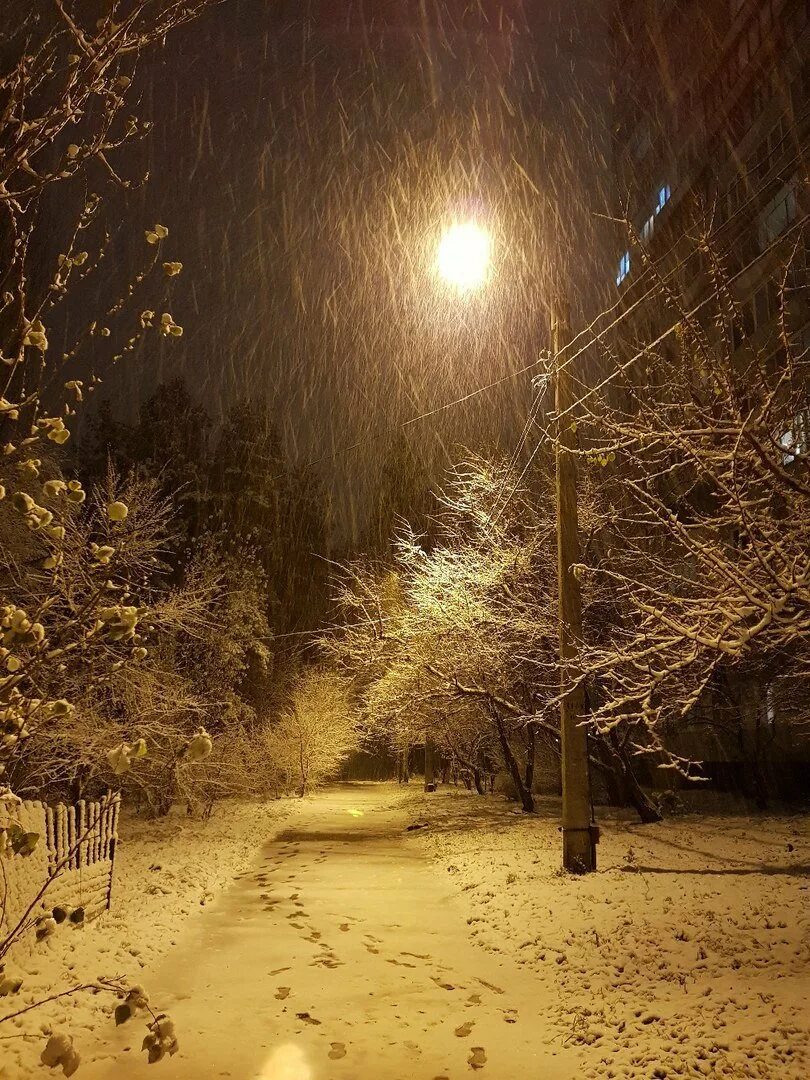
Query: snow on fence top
[71, 865]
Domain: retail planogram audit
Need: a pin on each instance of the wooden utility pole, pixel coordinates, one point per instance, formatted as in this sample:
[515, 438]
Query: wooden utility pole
[579, 848]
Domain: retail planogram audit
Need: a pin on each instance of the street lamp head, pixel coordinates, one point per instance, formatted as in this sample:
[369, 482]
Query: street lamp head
[464, 256]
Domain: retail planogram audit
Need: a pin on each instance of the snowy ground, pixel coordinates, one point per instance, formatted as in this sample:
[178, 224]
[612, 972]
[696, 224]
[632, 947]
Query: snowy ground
[686, 955]
[322, 940]
[342, 956]
[167, 872]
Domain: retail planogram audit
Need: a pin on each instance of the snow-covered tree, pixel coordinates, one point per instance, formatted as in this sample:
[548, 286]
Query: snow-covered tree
[315, 732]
[459, 638]
[72, 588]
[707, 554]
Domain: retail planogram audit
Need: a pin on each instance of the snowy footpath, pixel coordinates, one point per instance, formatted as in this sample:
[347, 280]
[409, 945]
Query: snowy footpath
[341, 954]
[324, 939]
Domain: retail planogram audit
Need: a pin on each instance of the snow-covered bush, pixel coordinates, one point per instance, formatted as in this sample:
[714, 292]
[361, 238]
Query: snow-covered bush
[315, 732]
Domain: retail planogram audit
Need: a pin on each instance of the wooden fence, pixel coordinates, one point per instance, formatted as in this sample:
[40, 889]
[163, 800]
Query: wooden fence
[75, 857]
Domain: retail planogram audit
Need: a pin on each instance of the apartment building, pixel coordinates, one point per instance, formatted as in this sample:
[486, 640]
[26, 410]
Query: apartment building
[711, 122]
[710, 135]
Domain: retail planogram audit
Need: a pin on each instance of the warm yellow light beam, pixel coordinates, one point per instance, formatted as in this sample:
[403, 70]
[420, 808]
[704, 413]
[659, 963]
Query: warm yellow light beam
[287, 1062]
[464, 256]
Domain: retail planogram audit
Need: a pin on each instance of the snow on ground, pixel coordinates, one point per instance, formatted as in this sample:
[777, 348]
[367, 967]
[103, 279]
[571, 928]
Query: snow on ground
[685, 955]
[166, 871]
[341, 955]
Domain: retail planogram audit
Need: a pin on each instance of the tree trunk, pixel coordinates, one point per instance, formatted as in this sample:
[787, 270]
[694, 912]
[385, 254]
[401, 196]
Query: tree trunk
[614, 782]
[623, 786]
[639, 799]
[79, 782]
[302, 768]
[634, 792]
[430, 765]
[403, 774]
[748, 693]
[524, 793]
[479, 787]
[531, 750]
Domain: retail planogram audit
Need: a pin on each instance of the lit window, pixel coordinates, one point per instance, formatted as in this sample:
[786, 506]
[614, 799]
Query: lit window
[624, 268]
[796, 442]
[664, 195]
[777, 215]
[648, 228]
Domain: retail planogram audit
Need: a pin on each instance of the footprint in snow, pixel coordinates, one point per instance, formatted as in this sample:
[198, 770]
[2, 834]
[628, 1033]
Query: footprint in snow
[464, 1030]
[327, 962]
[283, 992]
[442, 985]
[510, 1016]
[477, 1058]
[338, 1051]
[305, 1016]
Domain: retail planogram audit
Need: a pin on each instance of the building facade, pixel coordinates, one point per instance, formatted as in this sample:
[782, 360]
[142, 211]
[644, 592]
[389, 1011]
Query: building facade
[710, 141]
[711, 124]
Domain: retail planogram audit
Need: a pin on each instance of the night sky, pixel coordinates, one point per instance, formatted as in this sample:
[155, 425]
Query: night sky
[305, 157]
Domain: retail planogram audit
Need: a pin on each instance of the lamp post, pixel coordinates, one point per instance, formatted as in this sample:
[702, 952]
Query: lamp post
[579, 837]
[463, 261]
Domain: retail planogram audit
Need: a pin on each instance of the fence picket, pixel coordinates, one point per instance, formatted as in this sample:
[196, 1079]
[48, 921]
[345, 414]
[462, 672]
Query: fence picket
[81, 807]
[75, 839]
[72, 838]
[50, 834]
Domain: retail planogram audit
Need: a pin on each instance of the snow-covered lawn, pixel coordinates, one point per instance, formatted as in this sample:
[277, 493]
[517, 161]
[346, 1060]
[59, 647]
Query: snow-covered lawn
[166, 871]
[685, 955]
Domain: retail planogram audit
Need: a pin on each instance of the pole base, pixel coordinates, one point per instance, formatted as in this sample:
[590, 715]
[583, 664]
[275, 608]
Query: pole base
[579, 850]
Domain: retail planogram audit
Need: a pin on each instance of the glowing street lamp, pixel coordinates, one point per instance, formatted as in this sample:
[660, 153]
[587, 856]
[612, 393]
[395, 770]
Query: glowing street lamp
[463, 262]
[464, 256]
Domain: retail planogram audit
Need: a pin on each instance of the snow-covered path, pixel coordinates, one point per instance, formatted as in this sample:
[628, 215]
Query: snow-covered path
[341, 955]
